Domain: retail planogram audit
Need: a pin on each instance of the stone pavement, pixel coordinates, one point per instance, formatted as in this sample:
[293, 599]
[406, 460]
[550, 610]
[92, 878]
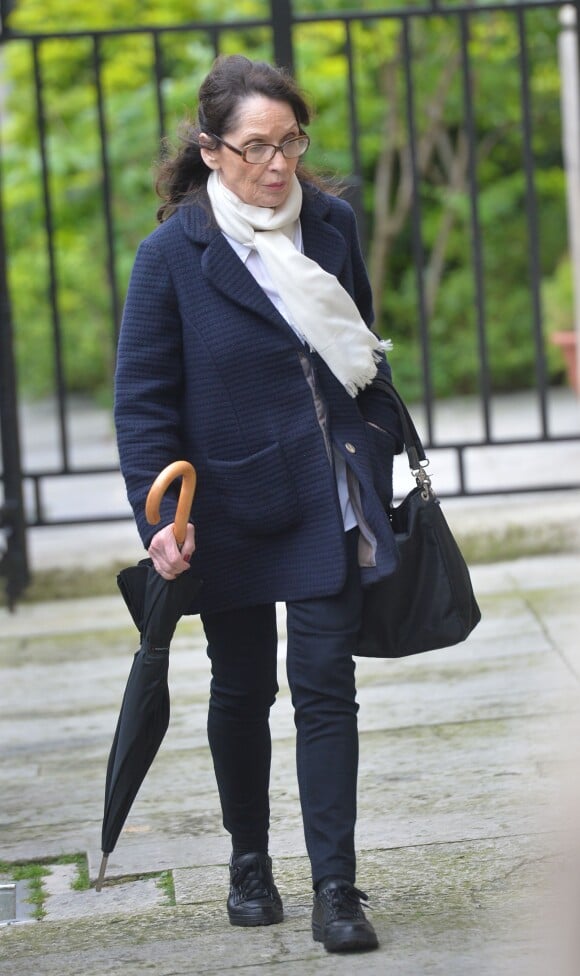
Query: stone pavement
[467, 799]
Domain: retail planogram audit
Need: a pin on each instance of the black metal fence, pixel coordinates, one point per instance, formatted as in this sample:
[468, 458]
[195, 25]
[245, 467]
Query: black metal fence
[156, 70]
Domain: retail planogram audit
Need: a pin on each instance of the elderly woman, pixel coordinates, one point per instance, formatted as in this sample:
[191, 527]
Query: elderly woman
[246, 348]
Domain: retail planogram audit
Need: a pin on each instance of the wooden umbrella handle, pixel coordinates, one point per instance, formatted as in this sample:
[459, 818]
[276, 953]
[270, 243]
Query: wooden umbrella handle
[186, 471]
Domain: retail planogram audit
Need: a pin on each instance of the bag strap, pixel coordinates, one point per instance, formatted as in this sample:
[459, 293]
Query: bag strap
[413, 446]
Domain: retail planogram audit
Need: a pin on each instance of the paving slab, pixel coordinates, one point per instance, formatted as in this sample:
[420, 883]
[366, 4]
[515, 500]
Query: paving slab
[64, 901]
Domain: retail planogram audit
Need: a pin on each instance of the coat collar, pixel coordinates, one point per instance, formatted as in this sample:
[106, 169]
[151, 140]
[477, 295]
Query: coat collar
[199, 225]
[219, 263]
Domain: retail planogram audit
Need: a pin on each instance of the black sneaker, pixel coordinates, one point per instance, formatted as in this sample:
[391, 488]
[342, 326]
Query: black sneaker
[338, 919]
[253, 898]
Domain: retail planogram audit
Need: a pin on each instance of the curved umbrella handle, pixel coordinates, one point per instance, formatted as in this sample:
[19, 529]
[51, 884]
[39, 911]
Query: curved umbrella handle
[187, 491]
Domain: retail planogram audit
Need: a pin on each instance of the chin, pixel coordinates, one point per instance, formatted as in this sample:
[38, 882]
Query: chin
[272, 199]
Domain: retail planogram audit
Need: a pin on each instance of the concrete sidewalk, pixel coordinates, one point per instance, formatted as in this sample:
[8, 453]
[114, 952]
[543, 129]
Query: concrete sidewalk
[467, 760]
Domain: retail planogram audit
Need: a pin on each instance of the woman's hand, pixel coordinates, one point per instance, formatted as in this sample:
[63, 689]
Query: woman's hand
[168, 559]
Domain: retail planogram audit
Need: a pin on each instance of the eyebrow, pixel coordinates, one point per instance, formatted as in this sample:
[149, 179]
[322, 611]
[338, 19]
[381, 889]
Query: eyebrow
[259, 137]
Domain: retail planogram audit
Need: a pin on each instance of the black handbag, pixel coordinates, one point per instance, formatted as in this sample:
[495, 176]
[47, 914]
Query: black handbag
[428, 602]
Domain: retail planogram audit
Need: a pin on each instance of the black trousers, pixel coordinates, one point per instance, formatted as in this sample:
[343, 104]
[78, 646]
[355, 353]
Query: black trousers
[242, 648]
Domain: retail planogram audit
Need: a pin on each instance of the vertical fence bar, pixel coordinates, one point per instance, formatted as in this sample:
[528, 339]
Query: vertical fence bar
[417, 223]
[352, 107]
[355, 180]
[281, 11]
[159, 75]
[5, 8]
[53, 278]
[532, 216]
[214, 35]
[106, 188]
[476, 246]
[14, 559]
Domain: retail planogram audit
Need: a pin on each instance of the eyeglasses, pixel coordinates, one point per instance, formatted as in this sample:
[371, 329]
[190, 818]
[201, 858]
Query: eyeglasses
[263, 152]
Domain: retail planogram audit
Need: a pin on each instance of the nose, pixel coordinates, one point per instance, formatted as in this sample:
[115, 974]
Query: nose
[279, 161]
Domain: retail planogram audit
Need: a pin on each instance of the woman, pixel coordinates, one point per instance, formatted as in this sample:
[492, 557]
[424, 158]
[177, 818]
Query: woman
[246, 348]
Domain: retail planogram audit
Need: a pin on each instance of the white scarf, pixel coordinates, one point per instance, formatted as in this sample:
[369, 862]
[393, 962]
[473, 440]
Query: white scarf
[317, 303]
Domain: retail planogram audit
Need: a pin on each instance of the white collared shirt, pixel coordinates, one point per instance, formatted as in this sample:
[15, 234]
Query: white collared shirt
[250, 257]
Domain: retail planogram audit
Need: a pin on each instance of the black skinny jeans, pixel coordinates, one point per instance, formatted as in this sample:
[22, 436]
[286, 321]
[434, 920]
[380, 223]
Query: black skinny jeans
[321, 675]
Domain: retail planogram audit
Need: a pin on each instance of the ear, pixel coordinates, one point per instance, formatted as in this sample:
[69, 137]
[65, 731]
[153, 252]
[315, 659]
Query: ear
[209, 150]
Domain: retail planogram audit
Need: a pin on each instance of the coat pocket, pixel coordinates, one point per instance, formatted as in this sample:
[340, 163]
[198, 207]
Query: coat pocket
[382, 447]
[257, 492]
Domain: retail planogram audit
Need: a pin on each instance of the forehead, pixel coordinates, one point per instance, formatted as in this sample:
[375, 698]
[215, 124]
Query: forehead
[259, 116]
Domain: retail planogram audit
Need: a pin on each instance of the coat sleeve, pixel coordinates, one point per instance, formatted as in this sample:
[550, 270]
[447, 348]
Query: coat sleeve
[148, 384]
[375, 406]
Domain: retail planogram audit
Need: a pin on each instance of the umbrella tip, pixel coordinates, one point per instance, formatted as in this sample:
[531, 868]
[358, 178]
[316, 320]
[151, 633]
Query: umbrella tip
[102, 870]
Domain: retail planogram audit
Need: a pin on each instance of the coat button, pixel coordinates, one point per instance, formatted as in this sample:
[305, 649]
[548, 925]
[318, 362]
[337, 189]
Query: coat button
[350, 448]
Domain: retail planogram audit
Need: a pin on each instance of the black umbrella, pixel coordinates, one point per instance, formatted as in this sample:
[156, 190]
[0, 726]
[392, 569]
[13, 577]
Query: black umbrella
[156, 605]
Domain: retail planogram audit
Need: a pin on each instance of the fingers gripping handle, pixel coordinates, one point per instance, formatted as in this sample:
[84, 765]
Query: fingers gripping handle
[186, 471]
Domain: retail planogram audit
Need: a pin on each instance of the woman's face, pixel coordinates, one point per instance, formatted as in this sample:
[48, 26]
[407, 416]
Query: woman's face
[258, 120]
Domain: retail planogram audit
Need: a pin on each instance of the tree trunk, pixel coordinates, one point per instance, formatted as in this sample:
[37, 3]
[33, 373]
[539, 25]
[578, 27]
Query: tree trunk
[392, 204]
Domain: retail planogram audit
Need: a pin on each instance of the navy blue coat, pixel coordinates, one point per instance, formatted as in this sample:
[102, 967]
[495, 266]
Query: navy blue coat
[210, 372]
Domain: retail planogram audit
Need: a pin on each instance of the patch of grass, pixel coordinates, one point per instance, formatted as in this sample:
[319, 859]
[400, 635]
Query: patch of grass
[33, 874]
[515, 542]
[56, 648]
[167, 885]
[71, 584]
[82, 881]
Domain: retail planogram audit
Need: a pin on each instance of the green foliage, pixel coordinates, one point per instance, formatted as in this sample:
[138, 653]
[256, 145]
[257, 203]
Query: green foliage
[166, 884]
[33, 874]
[79, 277]
[70, 15]
[456, 350]
[558, 299]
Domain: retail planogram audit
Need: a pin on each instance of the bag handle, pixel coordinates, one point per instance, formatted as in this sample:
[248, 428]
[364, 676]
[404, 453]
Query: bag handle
[418, 460]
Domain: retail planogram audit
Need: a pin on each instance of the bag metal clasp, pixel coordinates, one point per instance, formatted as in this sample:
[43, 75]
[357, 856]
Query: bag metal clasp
[423, 481]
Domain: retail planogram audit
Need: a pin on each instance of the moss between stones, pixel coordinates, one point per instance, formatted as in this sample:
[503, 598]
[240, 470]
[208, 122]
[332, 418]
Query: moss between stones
[166, 884]
[515, 542]
[33, 873]
[70, 584]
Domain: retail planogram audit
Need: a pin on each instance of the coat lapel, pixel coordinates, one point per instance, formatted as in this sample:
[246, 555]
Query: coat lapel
[222, 266]
[322, 242]
[229, 275]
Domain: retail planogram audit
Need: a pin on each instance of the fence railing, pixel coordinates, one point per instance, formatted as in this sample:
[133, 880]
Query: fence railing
[76, 150]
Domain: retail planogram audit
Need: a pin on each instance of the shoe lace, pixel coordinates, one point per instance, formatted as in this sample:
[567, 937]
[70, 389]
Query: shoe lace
[251, 880]
[345, 900]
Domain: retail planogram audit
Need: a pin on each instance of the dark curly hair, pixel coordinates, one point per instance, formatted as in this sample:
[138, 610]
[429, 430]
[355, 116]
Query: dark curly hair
[182, 176]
